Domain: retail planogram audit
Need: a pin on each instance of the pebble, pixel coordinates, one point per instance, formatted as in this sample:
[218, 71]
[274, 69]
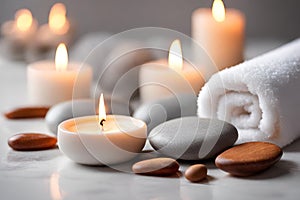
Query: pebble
[196, 173]
[27, 112]
[78, 108]
[156, 167]
[193, 138]
[249, 158]
[158, 111]
[31, 142]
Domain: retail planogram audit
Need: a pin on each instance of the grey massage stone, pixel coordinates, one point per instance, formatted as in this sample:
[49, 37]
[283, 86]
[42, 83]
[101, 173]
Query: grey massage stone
[159, 111]
[193, 138]
[78, 108]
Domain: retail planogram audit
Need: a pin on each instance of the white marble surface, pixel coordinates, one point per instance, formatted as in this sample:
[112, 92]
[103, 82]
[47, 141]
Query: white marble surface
[50, 175]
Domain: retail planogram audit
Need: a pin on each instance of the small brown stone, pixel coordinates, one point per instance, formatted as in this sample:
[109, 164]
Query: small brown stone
[27, 112]
[196, 173]
[249, 158]
[156, 167]
[31, 142]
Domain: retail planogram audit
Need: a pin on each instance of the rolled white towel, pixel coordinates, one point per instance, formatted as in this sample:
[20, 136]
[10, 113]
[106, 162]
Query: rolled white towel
[261, 97]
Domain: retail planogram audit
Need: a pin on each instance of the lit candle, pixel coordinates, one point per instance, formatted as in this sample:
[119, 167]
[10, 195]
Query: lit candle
[164, 78]
[101, 139]
[58, 22]
[57, 30]
[53, 82]
[220, 33]
[19, 32]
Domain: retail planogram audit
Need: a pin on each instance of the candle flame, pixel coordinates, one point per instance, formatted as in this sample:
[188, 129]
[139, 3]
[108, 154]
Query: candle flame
[175, 55]
[58, 22]
[61, 57]
[102, 112]
[218, 10]
[23, 19]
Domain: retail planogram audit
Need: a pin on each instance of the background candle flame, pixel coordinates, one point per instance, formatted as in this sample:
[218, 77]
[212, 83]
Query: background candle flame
[175, 55]
[218, 10]
[23, 19]
[57, 19]
[61, 57]
[102, 112]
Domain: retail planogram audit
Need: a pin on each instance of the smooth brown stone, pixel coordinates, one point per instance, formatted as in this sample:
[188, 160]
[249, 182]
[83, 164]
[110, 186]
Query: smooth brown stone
[156, 167]
[31, 142]
[249, 158]
[27, 112]
[196, 173]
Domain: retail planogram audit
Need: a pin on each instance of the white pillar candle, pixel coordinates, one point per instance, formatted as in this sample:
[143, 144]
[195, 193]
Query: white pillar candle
[50, 83]
[164, 78]
[220, 33]
[57, 30]
[118, 139]
[19, 32]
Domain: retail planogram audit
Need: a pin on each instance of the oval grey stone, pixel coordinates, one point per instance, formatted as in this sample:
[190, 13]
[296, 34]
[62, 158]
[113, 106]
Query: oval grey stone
[161, 110]
[193, 138]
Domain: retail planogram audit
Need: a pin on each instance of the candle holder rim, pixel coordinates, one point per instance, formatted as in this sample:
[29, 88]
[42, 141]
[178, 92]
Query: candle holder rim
[62, 126]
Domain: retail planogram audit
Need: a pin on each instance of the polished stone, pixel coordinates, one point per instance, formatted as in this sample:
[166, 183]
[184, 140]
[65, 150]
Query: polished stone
[159, 111]
[196, 173]
[31, 142]
[249, 158]
[193, 138]
[156, 167]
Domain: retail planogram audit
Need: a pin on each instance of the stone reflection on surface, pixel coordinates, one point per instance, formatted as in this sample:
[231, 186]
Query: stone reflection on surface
[147, 187]
[195, 191]
[16, 160]
[79, 181]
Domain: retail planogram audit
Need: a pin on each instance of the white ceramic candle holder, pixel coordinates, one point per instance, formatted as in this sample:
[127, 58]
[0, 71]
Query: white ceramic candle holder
[83, 140]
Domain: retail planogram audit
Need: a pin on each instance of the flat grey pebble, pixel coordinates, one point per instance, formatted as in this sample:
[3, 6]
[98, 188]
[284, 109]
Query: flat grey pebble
[193, 138]
[159, 111]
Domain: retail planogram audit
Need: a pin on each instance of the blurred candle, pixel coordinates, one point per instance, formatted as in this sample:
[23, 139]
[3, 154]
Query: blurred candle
[19, 32]
[58, 22]
[24, 20]
[22, 28]
[220, 33]
[164, 78]
[57, 30]
[50, 83]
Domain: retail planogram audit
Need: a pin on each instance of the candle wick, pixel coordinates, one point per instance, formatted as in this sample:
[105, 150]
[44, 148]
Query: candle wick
[101, 122]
